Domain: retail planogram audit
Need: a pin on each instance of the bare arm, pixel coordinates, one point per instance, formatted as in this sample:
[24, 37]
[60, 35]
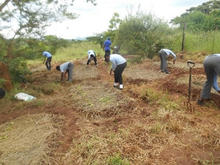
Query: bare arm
[111, 72]
[62, 76]
[44, 60]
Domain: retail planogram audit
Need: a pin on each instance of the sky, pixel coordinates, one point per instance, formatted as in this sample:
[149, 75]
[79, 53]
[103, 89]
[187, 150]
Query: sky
[94, 20]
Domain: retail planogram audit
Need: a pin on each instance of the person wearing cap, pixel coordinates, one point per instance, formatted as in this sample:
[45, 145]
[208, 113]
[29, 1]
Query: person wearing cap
[164, 55]
[212, 69]
[118, 65]
[107, 45]
[48, 59]
[91, 56]
[2, 93]
[65, 68]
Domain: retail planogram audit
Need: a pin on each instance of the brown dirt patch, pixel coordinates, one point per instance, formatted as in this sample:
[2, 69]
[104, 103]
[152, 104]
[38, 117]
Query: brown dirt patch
[85, 72]
[98, 99]
[27, 136]
[98, 121]
[143, 72]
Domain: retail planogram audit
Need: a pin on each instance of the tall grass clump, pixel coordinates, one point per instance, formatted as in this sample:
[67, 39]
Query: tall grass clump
[200, 41]
[117, 160]
[76, 51]
[203, 42]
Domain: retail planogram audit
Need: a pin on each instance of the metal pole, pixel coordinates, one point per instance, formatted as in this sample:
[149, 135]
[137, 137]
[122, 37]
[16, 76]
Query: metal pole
[183, 37]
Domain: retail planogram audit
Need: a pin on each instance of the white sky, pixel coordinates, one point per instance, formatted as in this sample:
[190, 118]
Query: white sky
[95, 19]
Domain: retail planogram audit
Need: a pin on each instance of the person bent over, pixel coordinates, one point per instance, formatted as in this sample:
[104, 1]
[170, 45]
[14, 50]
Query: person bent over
[65, 68]
[118, 65]
[212, 70]
[48, 59]
[91, 56]
[164, 54]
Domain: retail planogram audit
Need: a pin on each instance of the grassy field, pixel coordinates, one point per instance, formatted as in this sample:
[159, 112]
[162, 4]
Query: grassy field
[89, 121]
[76, 51]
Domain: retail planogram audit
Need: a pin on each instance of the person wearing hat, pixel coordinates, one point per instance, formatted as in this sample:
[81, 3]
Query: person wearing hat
[164, 54]
[91, 56]
[107, 45]
[212, 69]
[118, 65]
[65, 68]
[2, 93]
[48, 59]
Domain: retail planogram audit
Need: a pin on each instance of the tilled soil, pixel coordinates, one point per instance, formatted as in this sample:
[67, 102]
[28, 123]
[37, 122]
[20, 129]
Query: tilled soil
[92, 122]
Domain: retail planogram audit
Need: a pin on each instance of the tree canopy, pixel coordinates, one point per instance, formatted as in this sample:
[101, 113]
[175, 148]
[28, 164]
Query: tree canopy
[30, 17]
[204, 17]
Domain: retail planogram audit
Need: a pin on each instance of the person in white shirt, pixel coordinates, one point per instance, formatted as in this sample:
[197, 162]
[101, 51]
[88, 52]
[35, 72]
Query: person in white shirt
[64, 68]
[118, 65]
[91, 56]
[164, 54]
[212, 70]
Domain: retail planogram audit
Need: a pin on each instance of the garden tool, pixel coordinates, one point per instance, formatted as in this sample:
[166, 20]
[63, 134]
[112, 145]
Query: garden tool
[190, 64]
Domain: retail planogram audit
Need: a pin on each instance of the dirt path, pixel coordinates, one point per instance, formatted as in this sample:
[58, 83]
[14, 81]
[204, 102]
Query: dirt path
[94, 123]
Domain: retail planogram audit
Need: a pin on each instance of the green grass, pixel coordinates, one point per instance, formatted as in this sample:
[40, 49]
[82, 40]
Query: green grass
[116, 159]
[76, 51]
[162, 99]
[208, 42]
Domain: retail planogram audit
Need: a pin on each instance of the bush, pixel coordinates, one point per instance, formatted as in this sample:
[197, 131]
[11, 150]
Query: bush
[142, 34]
[18, 69]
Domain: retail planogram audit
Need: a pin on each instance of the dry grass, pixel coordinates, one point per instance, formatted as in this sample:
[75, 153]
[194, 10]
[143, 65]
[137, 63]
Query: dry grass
[97, 99]
[27, 136]
[140, 125]
[146, 71]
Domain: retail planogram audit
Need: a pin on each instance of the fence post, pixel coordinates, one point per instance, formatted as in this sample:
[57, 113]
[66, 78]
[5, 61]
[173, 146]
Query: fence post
[183, 37]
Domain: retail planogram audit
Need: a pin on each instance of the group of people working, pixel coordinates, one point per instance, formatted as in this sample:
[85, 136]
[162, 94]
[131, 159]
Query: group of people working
[119, 63]
[211, 66]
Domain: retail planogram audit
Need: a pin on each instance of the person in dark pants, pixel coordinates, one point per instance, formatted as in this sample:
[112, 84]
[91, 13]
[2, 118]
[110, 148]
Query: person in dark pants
[2, 93]
[212, 70]
[164, 54]
[107, 45]
[48, 59]
[118, 65]
[66, 67]
[91, 56]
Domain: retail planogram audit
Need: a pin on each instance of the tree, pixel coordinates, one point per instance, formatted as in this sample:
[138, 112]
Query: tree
[114, 22]
[142, 34]
[204, 17]
[29, 19]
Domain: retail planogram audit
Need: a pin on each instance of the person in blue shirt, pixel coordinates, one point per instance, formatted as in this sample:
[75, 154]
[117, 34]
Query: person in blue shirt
[48, 59]
[118, 65]
[2, 93]
[107, 45]
[91, 56]
[212, 70]
[164, 54]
